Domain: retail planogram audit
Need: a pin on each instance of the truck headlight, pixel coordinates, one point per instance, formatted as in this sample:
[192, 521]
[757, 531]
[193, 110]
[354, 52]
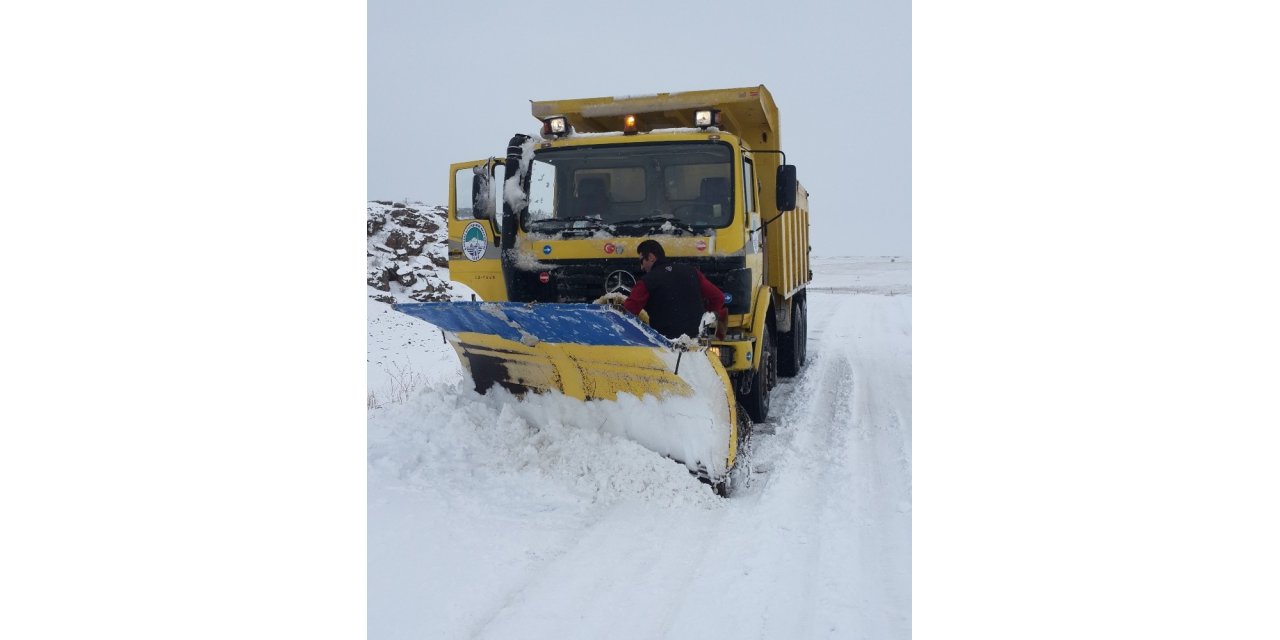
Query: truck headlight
[706, 118]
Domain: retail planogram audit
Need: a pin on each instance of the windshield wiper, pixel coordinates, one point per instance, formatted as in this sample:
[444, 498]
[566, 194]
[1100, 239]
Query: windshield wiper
[565, 222]
[571, 226]
[680, 225]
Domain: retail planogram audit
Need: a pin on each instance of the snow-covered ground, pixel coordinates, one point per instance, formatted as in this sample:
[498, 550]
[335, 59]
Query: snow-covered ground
[496, 518]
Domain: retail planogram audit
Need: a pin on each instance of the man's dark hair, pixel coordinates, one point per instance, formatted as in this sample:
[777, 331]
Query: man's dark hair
[651, 247]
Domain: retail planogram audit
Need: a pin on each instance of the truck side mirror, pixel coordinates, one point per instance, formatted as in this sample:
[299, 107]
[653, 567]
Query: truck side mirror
[786, 187]
[481, 194]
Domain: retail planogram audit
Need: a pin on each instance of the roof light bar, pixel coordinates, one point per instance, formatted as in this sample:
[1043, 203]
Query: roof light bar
[629, 124]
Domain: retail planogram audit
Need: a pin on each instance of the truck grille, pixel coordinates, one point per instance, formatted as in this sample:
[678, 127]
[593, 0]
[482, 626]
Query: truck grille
[583, 281]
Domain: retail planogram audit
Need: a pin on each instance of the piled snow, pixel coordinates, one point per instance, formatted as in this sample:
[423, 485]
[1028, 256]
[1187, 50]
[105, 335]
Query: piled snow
[472, 498]
[492, 517]
[450, 438]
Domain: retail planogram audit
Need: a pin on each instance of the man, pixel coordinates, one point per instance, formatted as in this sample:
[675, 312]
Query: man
[674, 295]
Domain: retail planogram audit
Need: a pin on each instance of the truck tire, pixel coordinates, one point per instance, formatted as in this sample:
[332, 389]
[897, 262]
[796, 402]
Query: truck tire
[793, 346]
[757, 399]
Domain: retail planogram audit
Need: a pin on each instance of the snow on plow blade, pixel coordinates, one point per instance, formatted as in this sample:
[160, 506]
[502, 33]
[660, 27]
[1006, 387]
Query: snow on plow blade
[592, 352]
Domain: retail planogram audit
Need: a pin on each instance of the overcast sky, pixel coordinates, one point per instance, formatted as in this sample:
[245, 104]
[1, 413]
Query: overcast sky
[443, 88]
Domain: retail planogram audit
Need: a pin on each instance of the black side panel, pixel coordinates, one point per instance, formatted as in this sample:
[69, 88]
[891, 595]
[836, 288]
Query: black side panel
[736, 284]
[511, 217]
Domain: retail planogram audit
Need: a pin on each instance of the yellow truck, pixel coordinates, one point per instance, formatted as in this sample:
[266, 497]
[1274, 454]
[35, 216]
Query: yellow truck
[554, 224]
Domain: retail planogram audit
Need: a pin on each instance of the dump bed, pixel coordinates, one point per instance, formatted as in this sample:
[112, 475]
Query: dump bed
[788, 254]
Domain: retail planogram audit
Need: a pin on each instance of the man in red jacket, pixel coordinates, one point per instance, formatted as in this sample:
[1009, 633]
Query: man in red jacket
[674, 295]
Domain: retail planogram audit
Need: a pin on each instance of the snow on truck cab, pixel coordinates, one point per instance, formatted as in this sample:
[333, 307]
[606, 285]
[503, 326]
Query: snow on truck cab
[557, 220]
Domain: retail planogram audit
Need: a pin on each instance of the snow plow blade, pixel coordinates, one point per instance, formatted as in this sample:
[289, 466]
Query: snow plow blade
[593, 352]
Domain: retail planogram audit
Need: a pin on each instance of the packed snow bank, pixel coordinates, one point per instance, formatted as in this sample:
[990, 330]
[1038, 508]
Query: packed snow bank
[474, 499]
[452, 439]
[405, 355]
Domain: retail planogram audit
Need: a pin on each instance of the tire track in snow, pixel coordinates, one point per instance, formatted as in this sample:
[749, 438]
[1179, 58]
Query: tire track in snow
[841, 465]
[816, 411]
[766, 586]
[574, 595]
[878, 471]
[536, 573]
[793, 540]
[868, 465]
[563, 590]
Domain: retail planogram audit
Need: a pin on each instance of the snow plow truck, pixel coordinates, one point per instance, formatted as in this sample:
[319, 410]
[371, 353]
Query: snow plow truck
[544, 233]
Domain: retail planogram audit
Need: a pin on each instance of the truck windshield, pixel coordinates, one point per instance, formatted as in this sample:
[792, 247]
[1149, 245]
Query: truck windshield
[632, 189]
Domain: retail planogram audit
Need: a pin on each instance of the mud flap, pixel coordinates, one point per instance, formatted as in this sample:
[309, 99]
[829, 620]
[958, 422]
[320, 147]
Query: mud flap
[584, 351]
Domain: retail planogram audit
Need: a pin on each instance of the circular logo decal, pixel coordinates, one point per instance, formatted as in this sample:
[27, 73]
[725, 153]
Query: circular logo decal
[546, 249]
[608, 248]
[728, 297]
[700, 245]
[474, 241]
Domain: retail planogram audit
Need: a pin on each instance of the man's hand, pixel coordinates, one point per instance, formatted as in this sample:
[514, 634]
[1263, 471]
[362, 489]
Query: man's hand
[614, 300]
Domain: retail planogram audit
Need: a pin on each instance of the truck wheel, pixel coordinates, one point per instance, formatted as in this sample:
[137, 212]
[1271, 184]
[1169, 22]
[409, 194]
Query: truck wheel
[793, 346]
[757, 400]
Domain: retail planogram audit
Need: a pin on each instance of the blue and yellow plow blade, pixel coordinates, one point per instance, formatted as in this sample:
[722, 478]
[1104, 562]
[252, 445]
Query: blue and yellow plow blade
[584, 351]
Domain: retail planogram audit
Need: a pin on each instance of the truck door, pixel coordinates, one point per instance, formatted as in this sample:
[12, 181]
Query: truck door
[473, 227]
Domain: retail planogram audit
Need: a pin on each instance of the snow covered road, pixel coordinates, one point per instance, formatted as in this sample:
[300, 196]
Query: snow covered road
[495, 519]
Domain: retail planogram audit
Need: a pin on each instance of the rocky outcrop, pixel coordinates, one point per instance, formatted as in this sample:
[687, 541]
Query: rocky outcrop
[407, 252]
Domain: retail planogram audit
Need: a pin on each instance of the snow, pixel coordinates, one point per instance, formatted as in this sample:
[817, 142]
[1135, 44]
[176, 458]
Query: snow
[405, 355]
[527, 261]
[491, 517]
